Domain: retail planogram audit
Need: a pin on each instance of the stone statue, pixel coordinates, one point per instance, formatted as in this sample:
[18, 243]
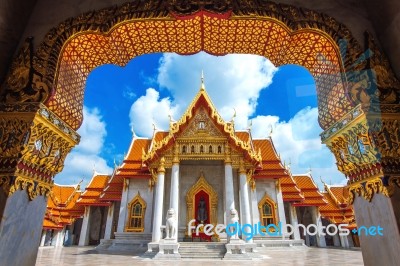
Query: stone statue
[202, 211]
[234, 218]
[171, 224]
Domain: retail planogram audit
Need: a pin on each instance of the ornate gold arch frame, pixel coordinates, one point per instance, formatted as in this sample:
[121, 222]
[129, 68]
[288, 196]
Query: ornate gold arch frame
[55, 73]
[201, 184]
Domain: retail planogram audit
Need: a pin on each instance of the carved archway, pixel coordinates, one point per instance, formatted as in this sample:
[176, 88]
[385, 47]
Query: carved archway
[202, 185]
[351, 85]
[282, 33]
[271, 216]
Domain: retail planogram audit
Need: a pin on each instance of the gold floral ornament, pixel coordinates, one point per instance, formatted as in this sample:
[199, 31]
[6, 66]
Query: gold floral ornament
[34, 144]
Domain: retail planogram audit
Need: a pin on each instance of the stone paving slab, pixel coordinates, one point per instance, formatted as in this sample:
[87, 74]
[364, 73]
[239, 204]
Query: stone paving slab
[272, 256]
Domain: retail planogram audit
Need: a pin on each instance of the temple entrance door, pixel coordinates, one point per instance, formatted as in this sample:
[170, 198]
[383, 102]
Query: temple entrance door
[202, 202]
[202, 207]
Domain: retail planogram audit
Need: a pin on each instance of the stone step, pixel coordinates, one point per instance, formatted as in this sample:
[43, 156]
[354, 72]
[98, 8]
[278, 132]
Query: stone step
[202, 250]
[278, 243]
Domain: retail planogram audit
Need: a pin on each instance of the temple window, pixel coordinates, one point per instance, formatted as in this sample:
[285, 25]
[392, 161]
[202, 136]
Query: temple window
[267, 211]
[137, 208]
[219, 149]
[202, 125]
[184, 149]
[210, 149]
[192, 149]
[201, 149]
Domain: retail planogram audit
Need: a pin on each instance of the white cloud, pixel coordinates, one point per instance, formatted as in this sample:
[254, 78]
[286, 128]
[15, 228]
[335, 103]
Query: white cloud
[298, 142]
[129, 93]
[232, 81]
[148, 110]
[86, 155]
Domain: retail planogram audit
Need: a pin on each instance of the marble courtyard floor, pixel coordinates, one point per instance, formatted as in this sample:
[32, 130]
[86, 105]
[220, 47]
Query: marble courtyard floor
[272, 256]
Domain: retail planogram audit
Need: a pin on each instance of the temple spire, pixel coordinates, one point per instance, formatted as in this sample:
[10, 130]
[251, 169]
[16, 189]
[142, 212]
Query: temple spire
[202, 87]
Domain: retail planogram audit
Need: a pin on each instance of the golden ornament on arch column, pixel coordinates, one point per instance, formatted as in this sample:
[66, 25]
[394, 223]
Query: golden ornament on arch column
[34, 144]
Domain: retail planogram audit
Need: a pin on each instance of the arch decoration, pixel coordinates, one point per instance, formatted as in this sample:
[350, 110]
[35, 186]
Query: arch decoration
[202, 185]
[348, 75]
[137, 210]
[271, 215]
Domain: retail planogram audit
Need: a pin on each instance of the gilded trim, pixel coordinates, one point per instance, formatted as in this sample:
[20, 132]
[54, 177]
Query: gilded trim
[367, 189]
[142, 202]
[202, 184]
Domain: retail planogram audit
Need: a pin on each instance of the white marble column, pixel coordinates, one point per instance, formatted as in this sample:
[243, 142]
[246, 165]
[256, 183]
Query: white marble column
[123, 207]
[316, 217]
[245, 208]
[158, 204]
[174, 194]
[294, 222]
[43, 238]
[255, 213]
[59, 242]
[84, 236]
[336, 240]
[281, 207]
[344, 242]
[109, 222]
[229, 196]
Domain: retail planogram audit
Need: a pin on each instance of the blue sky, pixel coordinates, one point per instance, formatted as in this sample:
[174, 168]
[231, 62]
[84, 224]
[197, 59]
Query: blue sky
[151, 87]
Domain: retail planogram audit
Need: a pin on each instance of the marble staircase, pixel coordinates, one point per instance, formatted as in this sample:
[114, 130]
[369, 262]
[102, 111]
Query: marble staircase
[202, 250]
[125, 241]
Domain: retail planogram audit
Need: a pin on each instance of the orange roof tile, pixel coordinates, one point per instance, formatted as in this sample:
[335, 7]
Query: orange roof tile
[337, 211]
[136, 148]
[61, 206]
[308, 188]
[341, 193]
[48, 224]
[111, 196]
[160, 135]
[243, 135]
[305, 182]
[93, 191]
[268, 152]
[98, 181]
[114, 187]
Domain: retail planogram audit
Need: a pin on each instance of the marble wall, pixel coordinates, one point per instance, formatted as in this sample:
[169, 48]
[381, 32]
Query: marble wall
[21, 228]
[378, 250]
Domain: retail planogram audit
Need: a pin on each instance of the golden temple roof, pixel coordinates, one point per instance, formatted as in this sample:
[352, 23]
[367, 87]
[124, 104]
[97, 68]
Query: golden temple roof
[290, 191]
[271, 165]
[61, 206]
[337, 210]
[312, 196]
[93, 191]
[164, 140]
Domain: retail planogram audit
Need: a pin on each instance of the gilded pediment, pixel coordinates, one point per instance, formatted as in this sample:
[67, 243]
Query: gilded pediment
[201, 125]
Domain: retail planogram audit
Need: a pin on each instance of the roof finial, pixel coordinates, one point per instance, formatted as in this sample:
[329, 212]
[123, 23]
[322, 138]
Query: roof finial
[133, 132]
[270, 132]
[250, 125]
[202, 87]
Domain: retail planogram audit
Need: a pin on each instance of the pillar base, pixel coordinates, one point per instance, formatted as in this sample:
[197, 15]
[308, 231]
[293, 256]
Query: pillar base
[236, 250]
[168, 249]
